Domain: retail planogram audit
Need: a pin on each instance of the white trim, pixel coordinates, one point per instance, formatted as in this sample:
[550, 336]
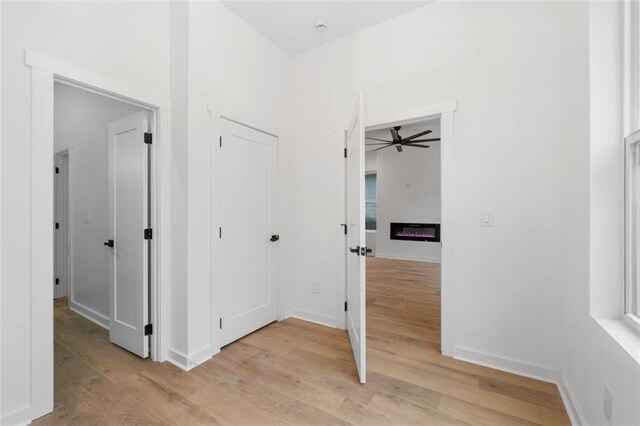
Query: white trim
[90, 314]
[445, 111]
[631, 287]
[314, 318]
[571, 402]
[178, 359]
[44, 71]
[21, 416]
[187, 363]
[415, 259]
[537, 372]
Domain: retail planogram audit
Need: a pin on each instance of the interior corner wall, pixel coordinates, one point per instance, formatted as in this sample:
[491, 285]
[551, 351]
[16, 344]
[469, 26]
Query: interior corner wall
[95, 37]
[179, 92]
[519, 95]
[248, 81]
[81, 124]
[594, 250]
[408, 190]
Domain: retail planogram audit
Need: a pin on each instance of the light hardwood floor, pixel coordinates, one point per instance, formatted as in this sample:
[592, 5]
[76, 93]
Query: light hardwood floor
[298, 373]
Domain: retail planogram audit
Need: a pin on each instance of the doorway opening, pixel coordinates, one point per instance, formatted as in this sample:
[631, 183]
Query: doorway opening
[395, 235]
[403, 218]
[102, 226]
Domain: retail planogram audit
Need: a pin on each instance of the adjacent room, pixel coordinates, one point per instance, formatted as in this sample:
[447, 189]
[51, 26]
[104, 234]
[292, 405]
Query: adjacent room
[319, 212]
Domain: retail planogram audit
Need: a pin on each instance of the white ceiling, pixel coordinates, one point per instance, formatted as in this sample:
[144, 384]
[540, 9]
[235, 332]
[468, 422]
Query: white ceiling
[290, 24]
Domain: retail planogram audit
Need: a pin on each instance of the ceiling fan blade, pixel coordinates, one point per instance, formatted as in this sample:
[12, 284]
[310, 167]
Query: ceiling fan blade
[399, 147]
[378, 149]
[371, 144]
[395, 135]
[425, 140]
[376, 139]
[417, 135]
[418, 146]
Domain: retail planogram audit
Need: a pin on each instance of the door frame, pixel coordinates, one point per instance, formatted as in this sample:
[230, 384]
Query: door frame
[64, 153]
[376, 120]
[45, 72]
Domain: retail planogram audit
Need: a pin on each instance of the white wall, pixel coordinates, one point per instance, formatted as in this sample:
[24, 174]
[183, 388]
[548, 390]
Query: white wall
[127, 44]
[81, 124]
[506, 66]
[246, 80]
[598, 349]
[408, 191]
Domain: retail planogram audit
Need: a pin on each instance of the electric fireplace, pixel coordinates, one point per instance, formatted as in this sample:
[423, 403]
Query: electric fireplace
[415, 231]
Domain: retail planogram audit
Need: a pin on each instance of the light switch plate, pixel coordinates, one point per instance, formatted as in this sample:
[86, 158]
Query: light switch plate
[486, 219]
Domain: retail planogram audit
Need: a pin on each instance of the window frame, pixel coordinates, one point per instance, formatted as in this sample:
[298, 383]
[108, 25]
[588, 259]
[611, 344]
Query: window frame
[629, 316]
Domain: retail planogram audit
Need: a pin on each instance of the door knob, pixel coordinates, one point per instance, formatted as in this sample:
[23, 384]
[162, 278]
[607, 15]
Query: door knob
[275, 238]
[355, 250]
[109, 243]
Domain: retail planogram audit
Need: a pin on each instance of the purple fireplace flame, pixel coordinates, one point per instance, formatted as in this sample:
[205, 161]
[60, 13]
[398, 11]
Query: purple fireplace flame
[415, 231]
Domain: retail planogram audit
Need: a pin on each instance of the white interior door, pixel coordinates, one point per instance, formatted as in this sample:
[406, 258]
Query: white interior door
[246, 256]
[128, 219]
[356, 239]
[61, 210]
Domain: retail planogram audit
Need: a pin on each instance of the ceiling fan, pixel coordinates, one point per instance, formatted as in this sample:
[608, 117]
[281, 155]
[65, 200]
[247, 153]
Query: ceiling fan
[399, 142]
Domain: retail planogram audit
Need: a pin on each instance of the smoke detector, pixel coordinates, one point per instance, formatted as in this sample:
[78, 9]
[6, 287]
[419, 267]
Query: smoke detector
[321, 26]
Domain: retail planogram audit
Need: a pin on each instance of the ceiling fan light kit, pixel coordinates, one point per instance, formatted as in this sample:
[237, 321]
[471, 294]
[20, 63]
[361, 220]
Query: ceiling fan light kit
[399, 142]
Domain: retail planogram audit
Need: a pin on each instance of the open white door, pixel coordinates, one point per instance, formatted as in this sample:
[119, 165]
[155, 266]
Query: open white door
[246, 242]
[356, 239]
[129, 234]
[61, 211]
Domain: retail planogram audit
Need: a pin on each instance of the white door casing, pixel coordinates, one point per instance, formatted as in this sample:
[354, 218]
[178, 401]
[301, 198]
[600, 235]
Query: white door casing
[128, 218]
[245, 179]
[356, 238]
[61, 211]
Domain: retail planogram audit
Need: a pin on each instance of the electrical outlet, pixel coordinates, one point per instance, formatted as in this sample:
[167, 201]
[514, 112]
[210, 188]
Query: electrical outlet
[315, 288]
[608, 405]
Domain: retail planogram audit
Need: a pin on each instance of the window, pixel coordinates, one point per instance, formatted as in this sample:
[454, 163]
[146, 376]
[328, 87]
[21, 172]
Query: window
[632, 165]
[632, 231]
[370, 201]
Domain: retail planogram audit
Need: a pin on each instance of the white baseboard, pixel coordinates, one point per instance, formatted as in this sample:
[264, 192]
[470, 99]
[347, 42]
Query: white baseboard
[89, 314]
[21, 416]
[178, 359]
[416, 259]
[527, 370]
[313, 317]
[570, 401]
[187, 363]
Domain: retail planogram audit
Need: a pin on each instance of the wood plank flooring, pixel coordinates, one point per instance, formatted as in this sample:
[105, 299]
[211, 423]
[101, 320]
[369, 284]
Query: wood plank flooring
[298, 373]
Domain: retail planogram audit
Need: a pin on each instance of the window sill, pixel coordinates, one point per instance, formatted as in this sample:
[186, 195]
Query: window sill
[370, 231]
[625, 335]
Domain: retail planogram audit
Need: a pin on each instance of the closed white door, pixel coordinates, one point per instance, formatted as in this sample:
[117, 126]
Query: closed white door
[356, 239]
[128, 241]
[245, 252]
[61, 209]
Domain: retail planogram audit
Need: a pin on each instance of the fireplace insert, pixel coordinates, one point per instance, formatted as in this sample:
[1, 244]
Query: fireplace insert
[415, 231]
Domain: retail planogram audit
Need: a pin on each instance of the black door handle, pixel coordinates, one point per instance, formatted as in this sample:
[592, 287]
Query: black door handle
[355, 250]
[109, 243]
[275, 238]
[368, 250]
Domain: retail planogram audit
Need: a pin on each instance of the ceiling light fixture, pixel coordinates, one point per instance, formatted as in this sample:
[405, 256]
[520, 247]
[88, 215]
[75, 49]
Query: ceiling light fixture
[321, 26]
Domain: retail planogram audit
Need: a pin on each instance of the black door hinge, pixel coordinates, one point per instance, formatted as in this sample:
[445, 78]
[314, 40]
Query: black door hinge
[345, 306]
[57, 281]
[148, 138]
[345, 153]
[344, 225]
[220, 323]
[220, 232]
[57, 170]
[220, 141]
[57, 225]
[148, 234]
[148, 329]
